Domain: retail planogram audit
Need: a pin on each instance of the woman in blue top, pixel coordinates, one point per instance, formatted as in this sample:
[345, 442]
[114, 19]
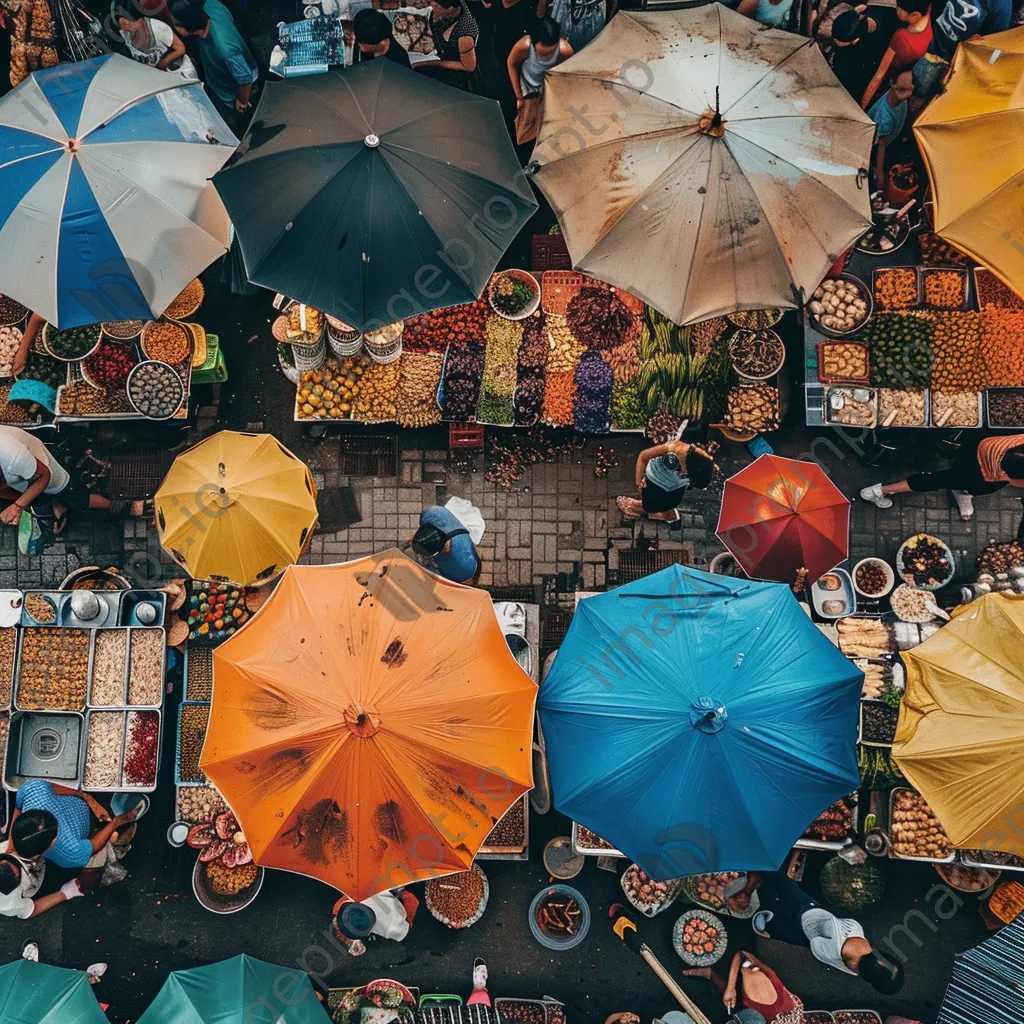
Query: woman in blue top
[443, 540]
[663, 475]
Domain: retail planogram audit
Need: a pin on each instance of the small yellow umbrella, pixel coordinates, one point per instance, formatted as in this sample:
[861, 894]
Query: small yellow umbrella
[972, 141]
[236, 507]
[961, 725]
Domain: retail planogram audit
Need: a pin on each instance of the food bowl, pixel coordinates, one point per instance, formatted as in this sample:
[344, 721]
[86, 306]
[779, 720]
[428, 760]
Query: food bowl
[217, 904]
[966, 878]
[890, 577]
[517, 277]
[908, 604]
[832, 595]
[755, 319]
[689, 929]
[561, 860]
[823, 292]
[165, 375]
[920, 579]
[757, 355]
[556, 898]
[87, 338]
[11, 312]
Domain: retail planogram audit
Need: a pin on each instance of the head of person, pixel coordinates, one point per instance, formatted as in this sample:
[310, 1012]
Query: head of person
[445, 10]
[191, 18]
[429, 541]
[545, 34]
[33, 833]
[128, 20]
[700, 467]
[902, 87]
[355, 921]
[1012, 463]
[10, 874]
[849, 28]
[373, 32]
[883, 975]
[910, 12]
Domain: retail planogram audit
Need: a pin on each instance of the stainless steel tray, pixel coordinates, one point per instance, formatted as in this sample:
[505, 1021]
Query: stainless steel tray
[586, 851]
[834, 844]
[17, 671]
[123, 702]
[132, 631]
[71, 724]
[897, 856]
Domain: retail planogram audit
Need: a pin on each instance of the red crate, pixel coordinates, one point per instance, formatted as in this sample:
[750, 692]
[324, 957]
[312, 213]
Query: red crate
[465, 435]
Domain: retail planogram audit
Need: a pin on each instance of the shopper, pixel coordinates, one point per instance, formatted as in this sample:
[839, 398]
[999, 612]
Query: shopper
[153, 42]
[446, 543]
[456, 35]
[788, 914]
[890, 115]
[23, 867]
[908, 45]
[530, 59]
[981, 466]
[953, 21]
[73, 846]
[854, 46]
[479, 993]
[774, 13]
[581, 20]
[664, 474]
[757, 987]
[823, 22]
[385, 915]
[375, 37]
[229, 69]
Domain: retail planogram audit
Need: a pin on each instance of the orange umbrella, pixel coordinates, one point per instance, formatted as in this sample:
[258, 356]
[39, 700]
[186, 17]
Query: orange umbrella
[369, 724]
[781, 515]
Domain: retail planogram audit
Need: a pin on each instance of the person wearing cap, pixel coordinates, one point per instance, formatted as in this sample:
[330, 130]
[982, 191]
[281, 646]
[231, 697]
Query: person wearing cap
[22, 867]
[664, 474]
[385, 915]
[444, 541]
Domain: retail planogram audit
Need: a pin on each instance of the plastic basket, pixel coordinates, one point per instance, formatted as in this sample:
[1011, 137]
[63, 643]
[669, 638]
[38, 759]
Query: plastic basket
[215, 375]
[557, 289]
[465, 436]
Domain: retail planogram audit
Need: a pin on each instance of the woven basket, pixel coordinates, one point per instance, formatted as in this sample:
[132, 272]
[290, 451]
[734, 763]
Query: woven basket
[557, 289]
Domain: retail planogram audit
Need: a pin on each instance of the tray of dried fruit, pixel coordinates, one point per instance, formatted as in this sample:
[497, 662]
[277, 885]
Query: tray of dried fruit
[511, 1010]
[818, 1017]
[914, 831]
[855, 1017]
[198, 673]
[510, 837]
[590, 844]
[1004, 407]
[945, 288]
[991, 859]
[991, 292]
[122, 749]
[647, 895]
[193, 721]
[834, 828]
[8, 663]
[53, 668]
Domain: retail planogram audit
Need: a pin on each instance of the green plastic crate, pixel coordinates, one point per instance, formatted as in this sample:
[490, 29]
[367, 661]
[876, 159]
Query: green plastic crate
[214, 370]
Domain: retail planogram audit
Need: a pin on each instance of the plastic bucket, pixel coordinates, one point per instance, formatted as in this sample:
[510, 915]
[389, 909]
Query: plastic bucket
[383, 346]
[309, 357]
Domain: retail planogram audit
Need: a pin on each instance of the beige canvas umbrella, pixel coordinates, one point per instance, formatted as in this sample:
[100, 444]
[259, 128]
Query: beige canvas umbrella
[703, 161]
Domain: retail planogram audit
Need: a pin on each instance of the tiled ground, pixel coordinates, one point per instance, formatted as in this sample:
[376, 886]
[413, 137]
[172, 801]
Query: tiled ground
[558, 527]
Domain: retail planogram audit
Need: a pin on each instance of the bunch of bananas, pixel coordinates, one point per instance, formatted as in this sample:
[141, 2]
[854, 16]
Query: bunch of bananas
[671, 371]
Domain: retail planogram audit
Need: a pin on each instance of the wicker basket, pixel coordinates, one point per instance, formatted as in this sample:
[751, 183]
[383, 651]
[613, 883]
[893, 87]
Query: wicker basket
[557, 289]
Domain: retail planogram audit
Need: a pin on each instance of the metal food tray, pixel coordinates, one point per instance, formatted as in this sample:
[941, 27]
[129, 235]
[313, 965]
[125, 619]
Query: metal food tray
[178, 780]
[976, 272]
[587, 851]
[819, 595]
[510, 852]
[13, 780]
[122, 785]
[969, 862]
[962, 273]
[17, 674]
[131, 599]
[898, 856]
[837, 1018]
[834, 844]
[828, 342]
[822, 1015]
[132, 630]
[860, 725]
[9, 703]
[110, 598]
[988, 408]
[502, 1001]
[951, 426]
[878, 272]
[190, 651]
[872, 402]
[926, 422]
[123, 703]
[58, 598]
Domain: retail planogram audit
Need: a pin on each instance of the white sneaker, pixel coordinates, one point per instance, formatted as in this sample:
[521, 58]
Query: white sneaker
[30, 951]
[479, 975]
[965, 503]
[876, 497]
[95, 972]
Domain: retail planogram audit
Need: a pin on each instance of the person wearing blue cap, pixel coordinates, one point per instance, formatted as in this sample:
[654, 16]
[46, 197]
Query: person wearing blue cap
[386, 915]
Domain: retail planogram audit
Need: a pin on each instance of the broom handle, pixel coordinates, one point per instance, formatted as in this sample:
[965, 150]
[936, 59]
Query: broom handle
[669, 982]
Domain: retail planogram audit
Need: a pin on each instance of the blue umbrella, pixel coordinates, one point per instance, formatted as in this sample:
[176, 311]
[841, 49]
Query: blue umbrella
[32, 993]
[106, 208]
[699, 723]
[987, 986]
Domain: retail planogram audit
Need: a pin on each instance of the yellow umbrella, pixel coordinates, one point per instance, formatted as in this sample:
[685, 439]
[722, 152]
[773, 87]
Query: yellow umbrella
[972, 140]
[962, 723]
[236, 507]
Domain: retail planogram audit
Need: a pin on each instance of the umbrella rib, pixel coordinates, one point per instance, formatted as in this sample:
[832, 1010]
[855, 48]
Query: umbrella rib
[60, 220]
[771, 71]
[182, 84]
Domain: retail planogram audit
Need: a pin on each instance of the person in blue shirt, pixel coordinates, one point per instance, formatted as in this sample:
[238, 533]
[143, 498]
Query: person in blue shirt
[72, 847]
[953, 21]
[229, 68]
[889, 112]
[446, 542]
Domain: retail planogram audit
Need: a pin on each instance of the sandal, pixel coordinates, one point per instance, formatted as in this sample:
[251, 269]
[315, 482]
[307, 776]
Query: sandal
[60, 524]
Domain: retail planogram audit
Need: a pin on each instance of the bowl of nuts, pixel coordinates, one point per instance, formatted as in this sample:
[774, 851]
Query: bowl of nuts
[873, 577]
[155, 390]
[224, 890]
[840, 305]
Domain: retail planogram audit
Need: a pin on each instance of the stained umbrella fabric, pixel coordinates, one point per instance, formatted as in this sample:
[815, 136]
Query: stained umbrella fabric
[699, 723]
[33, 993]
[979, 204]
[369, 724]
[782, 515]
[986, 985]
[728, 148]
[374, 193]
[236, 507]
[961, 724]
[106, 208]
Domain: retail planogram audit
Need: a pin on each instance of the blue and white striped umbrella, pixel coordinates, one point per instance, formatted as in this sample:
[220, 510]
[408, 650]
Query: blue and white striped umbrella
[106, 209]
[988, 981]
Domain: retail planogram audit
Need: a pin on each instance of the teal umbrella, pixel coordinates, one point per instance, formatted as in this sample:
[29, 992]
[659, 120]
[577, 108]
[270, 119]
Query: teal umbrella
[236, 991]
[32, 993]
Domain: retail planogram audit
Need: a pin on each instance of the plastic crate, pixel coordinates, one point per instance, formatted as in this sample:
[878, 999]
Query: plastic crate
[217, 375]
[467, 435]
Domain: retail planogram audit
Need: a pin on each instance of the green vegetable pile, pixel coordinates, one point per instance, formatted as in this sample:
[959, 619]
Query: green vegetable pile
[901, 349]
[73, 343]
[627, 412]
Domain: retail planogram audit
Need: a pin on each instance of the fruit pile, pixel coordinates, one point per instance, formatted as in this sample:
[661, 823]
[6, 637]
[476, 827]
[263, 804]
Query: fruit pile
[925, 562]
[1002, 347]
[331, 391]
[220, 840]
[463, 370]
[559, 398]
[378, 391]
[216, 611]
[956, 346]
[700, 937]
[416, 402]
[109, 365]
[916, 832]
[900, 347]
[593, 393]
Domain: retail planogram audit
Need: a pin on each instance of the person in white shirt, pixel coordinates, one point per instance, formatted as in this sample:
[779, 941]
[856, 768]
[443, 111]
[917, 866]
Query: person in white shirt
[153, 42]
[21, 876]
[788, 914]
[385, 915]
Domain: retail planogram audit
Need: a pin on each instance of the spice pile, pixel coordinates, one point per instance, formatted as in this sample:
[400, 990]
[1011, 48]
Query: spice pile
[593, 392]
[418, 378]
[559, 914]
[8, 646]
[123, 330]
[897, 288]
[599, 318]
[103, 749]
[456, 899]
[916, 831]
[146, 665]
[833, 825]
[956, 346]
[497, 389]
[194, 720]
[510, 831]
[559, 399]
[945, 289]
[200, 674]
[140, 751]
[54, 669]
[108, 667]
[900, 347]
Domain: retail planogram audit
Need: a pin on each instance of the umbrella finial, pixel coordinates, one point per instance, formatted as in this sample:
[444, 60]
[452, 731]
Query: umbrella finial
[708, 715]
[372, 141]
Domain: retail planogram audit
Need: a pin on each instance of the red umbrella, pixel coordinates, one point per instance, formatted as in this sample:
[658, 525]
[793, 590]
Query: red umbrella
[780, 515]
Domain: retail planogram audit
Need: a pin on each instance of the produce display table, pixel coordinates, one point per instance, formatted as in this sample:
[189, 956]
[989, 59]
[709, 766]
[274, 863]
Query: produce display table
[82, 689]
[945, 344]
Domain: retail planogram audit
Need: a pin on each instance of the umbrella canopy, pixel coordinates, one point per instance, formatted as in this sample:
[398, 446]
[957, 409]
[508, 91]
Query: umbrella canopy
[401, 193]
[32, 993]
[236, 991]
[106, 210]
[369, 724]
[728, 148]
[962, 723]
[781, 515]
[236, 507]
[979, 204]
[986, 983]
[699, 723]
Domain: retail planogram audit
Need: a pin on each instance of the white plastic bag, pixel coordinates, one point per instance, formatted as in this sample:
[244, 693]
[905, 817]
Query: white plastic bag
[469, 515]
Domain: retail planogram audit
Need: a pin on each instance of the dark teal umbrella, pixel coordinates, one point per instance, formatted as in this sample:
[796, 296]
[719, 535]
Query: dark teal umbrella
[32, 993]
[236, 991]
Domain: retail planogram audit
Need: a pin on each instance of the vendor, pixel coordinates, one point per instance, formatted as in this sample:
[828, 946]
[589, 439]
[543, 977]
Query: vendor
[755, 986]
[788, 914]
[908, 45]
[980, 467]
[375, 37]
[153, 42]
[386, 915]
[23, 867]
[456, 35]
[444, 541]
[664, 474]
[890, 115]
